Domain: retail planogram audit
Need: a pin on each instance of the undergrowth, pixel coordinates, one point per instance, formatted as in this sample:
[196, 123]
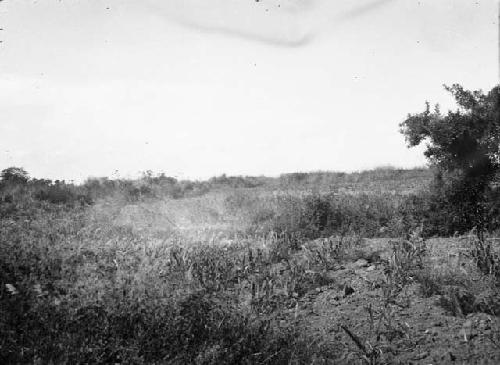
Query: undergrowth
[80, 286]
[78, 291]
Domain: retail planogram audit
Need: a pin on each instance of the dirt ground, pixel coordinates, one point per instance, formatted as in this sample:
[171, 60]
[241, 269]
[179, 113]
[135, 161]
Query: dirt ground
[413, 330]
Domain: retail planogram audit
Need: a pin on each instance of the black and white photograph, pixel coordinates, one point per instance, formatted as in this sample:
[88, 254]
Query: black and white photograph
[218, 182]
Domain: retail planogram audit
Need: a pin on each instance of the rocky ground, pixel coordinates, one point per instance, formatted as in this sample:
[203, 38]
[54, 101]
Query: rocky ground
[354, 317]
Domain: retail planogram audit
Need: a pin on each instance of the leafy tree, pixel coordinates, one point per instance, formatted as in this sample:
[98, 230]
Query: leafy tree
[464, 146]
[16, 175]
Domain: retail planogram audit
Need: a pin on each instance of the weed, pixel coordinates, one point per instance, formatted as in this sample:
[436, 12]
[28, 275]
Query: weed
[407, 257]
[484, 254]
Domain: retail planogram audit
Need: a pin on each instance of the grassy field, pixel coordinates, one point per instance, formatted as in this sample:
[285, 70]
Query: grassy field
[305, 268]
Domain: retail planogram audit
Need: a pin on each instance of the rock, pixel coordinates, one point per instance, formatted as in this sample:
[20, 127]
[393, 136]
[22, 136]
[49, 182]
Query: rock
[361, 263]
[370, 268]
[348, 290]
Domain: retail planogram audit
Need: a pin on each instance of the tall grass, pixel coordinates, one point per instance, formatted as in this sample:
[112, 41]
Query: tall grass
[162, 271]
[77, 289]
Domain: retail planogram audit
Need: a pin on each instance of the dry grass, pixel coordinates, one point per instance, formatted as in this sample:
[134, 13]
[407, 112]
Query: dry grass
[81, 287]
[209, 279]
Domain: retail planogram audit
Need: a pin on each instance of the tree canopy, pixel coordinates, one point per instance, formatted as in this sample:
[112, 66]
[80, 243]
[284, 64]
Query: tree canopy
[14, 175]
[467, 139]
[464, 145]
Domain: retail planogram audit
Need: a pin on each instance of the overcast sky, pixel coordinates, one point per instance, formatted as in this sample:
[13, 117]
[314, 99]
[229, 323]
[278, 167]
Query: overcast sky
[196, 88]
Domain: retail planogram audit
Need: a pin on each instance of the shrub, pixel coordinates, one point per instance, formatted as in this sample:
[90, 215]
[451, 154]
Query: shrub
[322, 215]
[485, 255]
[463, 145]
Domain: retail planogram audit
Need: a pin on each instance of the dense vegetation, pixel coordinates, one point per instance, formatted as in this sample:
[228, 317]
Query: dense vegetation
[157, 270]
[464, 146]
[81, 284]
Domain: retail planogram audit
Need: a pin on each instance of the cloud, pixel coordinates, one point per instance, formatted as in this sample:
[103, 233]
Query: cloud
[272, 22]
[280, 41]
[362, 10]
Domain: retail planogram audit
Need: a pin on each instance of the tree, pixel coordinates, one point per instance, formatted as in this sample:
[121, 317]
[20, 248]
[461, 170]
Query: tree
[14, 175]
[464, 146]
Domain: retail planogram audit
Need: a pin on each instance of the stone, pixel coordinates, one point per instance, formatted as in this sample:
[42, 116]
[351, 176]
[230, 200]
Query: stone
[361, 263]
[348, 290]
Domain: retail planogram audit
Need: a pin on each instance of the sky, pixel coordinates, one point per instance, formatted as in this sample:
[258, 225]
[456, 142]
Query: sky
[197, 88]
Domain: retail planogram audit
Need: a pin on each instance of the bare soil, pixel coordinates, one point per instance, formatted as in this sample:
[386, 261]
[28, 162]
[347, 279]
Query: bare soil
[413, 330]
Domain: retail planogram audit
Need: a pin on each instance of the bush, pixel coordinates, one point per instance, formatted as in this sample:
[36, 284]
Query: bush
[322, 215]
[463, 145]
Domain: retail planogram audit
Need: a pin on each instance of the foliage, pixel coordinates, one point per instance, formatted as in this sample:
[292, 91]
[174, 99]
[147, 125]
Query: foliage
[465, 147]
[407, 257]
[15, 175]
[378, 180]
[322, 215]
[74, 289]
[484, 251]
[77, 286]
